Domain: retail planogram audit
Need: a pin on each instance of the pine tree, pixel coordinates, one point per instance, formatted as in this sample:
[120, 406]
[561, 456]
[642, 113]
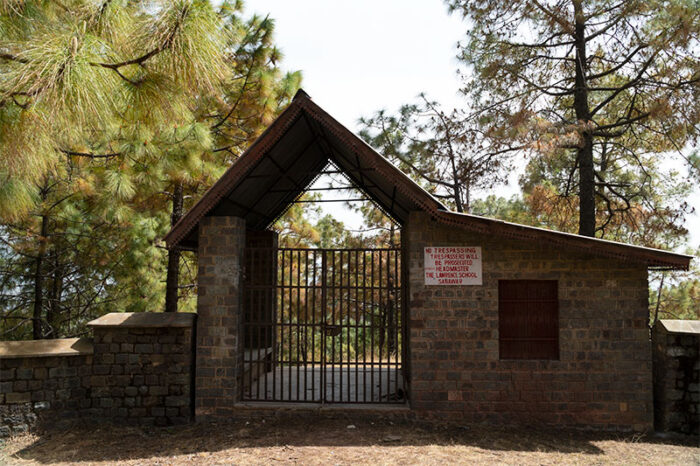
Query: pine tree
[114, 117]
[602, 80]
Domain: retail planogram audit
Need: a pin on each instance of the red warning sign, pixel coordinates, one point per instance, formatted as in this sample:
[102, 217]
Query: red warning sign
[453, 266]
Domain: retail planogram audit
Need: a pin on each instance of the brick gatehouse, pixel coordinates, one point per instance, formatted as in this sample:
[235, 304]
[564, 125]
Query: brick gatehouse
[488, 320]
[469, 319]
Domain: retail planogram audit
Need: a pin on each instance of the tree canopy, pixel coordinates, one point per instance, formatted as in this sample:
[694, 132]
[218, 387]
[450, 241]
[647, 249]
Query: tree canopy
[445, 151]
[114, 117]
[600, 100]
[596, 88]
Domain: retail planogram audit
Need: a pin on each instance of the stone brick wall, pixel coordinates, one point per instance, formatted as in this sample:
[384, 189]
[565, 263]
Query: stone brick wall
[219, 293]
[142, 375]
[33, 387]
[139, 370]
[676, 378]
[603, 376]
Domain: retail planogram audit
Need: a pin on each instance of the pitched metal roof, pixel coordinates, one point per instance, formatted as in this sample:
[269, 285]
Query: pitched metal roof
[294, 150]
[652, 258]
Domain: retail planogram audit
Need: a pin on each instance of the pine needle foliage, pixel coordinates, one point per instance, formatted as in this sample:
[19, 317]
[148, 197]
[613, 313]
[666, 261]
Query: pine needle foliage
[600, 85]
[115, 116]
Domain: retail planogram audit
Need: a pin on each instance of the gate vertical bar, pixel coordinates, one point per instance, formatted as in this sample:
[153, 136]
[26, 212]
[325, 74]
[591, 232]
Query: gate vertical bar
[357, 325]
[340, 327]
[313, 330]
[371, 346]
[397, 323]
[282, 291]
[382, 324]
[306, 322]
[324, 306]
[350, 327]
[298, 313]
[291, 339]
[332, 362]
[365, 334]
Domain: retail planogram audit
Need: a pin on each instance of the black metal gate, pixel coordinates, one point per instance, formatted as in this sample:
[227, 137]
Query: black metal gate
[323, 326]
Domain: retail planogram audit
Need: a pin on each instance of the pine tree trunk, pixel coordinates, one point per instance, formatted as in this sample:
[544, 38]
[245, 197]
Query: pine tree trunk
[467, 197]
[455, 186]
[586, 224]
[586, 221]
[172, 281]
[37, 332]
[53, 310]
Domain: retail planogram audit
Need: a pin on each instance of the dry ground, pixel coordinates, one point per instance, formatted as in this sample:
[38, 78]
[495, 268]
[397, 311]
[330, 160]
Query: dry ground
[326, 441]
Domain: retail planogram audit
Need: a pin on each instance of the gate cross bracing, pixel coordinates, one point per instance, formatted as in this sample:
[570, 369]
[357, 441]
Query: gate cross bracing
[323, 326]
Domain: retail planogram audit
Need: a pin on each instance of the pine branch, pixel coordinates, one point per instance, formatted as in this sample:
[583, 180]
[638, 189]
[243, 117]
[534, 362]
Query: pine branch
[91, 155]
[557, 19]
[619, 65]
[602, 130]
[245, 82]
[627, 85]
[167, 43]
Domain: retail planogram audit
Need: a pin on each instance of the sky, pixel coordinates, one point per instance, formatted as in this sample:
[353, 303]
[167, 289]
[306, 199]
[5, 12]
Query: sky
[361, 56]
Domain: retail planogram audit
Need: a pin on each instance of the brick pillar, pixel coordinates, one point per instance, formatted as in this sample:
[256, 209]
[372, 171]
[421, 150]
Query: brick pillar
[415, 234]
[676, 378]
[219, 257]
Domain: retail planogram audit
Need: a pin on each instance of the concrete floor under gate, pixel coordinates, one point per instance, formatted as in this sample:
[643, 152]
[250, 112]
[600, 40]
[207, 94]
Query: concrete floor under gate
[328, 384]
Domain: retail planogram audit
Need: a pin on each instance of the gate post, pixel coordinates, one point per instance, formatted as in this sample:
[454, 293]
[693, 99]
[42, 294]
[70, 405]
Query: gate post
[219, 259]
[260, 304]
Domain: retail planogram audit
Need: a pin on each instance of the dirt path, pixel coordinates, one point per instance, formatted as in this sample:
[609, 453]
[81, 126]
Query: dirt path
[325, 441]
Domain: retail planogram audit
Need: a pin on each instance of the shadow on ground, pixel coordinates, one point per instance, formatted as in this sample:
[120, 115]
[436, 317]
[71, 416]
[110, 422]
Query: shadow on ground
[118, 443]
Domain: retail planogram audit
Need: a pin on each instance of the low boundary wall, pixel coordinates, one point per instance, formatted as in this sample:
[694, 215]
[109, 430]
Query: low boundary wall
[138, 369]
[43, 376]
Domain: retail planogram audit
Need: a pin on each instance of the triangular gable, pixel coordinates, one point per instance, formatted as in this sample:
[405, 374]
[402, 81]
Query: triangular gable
[286, 159]
[293, 151]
